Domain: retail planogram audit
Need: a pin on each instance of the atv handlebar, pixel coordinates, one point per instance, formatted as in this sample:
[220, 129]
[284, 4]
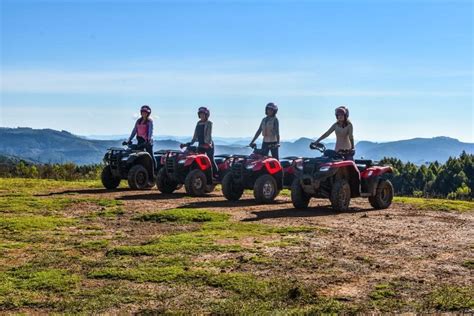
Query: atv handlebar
[132, 146]
[318, 146]
[322, 148]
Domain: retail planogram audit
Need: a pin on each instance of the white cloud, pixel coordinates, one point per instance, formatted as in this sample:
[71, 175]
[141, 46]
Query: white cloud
[129, 82]
[194, 83]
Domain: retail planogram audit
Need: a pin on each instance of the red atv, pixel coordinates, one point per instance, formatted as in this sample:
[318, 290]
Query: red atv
[263, 175]
[330, 176]
[193, 168]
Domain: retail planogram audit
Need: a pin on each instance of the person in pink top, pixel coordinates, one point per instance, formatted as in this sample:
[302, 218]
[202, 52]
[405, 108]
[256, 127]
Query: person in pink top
[143, 130]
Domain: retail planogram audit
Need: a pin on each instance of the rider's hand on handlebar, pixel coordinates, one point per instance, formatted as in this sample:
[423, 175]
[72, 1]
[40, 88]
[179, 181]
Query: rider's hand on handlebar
[252, 145]
[313, 145]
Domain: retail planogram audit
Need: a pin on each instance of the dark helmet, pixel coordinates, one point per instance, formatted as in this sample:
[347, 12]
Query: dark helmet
[272, 106]
[204, 110]
[342, 110]
[146, 109]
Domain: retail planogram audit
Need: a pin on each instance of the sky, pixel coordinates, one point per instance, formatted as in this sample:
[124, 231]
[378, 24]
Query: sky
[404, 68]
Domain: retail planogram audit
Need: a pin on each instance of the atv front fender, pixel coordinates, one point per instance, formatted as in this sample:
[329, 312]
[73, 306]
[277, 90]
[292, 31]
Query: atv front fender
[312, 183]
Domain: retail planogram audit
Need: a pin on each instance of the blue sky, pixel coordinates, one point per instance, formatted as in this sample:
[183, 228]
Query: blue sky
[404, 68]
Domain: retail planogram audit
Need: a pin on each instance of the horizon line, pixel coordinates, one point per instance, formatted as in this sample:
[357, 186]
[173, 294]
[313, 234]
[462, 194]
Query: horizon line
[229, 137]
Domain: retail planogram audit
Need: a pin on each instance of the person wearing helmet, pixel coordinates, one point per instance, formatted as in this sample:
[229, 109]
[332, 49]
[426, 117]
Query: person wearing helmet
[203, 135]
[270, 129]
[143, 130]
[344, 133]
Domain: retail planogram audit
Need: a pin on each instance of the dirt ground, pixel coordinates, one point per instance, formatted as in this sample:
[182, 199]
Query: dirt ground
[359, 249]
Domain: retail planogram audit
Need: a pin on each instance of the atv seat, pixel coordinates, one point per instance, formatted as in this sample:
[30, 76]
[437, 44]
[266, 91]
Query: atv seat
[285, 163]
[366, 162]
[219, 160]
[173, 151]
[363, 164]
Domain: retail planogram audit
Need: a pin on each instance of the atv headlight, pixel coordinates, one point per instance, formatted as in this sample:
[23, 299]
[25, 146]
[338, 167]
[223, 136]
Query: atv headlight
[299, 167]
[324, 168]
[124, 158]
[182, 161]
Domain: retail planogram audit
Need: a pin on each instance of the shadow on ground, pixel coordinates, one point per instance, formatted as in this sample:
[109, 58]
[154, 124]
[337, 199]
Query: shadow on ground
[228, 204]
[309, 212]
[87, 191]
[151, 196]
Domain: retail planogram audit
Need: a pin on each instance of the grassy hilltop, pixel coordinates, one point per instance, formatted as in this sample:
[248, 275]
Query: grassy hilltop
[71, 247]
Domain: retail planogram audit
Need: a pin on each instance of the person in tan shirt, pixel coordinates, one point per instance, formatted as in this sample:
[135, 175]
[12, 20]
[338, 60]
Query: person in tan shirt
[270, 129]
[344, 133]
[203, 135]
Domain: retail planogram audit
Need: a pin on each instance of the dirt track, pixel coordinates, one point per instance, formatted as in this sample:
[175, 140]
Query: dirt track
[361, 248]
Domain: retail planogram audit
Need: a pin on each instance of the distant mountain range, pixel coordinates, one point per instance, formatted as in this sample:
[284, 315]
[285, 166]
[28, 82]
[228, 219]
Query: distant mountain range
[225, 141]
[12, 160]
[51, 146]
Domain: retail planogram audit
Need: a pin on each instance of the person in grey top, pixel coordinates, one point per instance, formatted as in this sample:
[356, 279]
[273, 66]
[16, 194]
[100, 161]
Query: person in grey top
[203, 135]
[344, 133]
[270, 129]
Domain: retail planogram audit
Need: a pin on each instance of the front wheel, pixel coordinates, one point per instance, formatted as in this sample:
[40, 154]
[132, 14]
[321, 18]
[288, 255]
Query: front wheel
[108, 180]
[196, 183]
[299, 198]
[383, 196]
[265, 190]
[341, 195]
[138, 178]
[230, 189]
[164, 183]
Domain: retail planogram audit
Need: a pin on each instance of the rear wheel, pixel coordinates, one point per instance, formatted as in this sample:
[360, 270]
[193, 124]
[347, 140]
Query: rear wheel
[265, 189]
[164, 183]
[138, 178]
[341, 195]
[196, 183]
[230, 189]
[108, 180]
[383, 195]
[298, 196]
